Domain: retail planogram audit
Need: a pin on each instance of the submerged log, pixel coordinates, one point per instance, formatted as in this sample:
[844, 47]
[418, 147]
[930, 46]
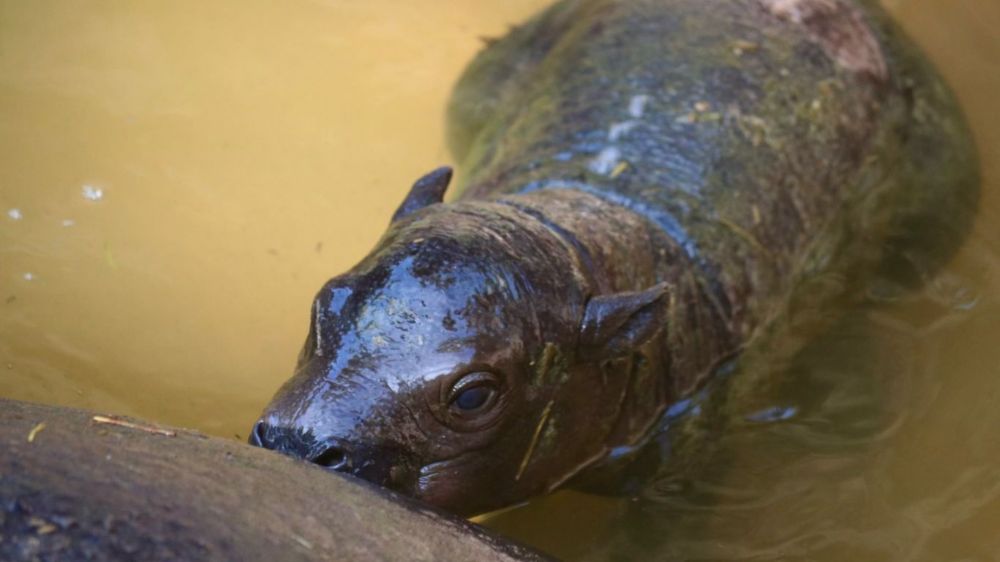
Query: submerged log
[76, 485]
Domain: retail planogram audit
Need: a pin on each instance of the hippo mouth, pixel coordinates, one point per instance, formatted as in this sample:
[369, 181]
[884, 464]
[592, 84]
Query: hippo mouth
[390, 467]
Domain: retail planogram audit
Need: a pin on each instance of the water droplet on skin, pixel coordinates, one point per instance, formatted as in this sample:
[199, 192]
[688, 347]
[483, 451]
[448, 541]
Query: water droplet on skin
[954, 292]
[605, 161]
[678, 408]
[618, 130]
[883, 290]
[775, 414]
[637, 105]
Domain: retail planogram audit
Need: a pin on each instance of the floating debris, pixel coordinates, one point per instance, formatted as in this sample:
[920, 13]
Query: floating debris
[35, 431]
[131, 425]
[701, 114]
[745, 235]
[740, 47]
[534, 439]
[92, 193]
[15, 214]
[29, 276]
[305, 544]
[619, 169]
[68, 223]
[41, 526]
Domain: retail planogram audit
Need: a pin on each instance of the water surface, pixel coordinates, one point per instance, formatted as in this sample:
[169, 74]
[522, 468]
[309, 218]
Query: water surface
[177, 180]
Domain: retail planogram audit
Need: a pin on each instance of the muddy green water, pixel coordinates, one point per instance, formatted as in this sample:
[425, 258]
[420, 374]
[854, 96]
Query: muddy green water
[178, 178]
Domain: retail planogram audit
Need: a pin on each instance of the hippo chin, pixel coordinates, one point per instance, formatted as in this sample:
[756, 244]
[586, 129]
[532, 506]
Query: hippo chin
[650, 188]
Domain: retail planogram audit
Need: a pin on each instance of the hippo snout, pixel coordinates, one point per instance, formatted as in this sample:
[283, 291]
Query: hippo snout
[331, 453]
[381, 466]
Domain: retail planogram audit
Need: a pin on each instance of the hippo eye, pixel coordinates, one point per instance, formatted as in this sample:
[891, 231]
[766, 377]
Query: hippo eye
[473, 393]
[473, 398]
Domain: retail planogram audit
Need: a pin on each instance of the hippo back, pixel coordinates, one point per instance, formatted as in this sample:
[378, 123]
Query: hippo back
[765, 137]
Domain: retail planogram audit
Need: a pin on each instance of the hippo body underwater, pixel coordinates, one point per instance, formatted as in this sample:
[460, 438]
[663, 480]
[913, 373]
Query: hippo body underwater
[650, 189]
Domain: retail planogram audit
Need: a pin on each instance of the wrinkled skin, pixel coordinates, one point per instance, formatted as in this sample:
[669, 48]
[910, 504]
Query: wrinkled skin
[650, 187]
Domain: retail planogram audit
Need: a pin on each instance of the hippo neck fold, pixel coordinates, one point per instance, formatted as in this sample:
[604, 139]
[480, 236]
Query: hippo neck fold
[616, 248]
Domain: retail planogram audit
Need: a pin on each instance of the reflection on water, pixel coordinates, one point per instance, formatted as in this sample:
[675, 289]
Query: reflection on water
[243, 152]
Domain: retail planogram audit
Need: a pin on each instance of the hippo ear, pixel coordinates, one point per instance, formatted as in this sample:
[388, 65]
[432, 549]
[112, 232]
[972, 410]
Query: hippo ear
[615, 325]
[428, 190]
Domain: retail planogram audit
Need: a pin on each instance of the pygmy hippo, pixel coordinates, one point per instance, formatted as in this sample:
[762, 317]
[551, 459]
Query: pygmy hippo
[650, 188]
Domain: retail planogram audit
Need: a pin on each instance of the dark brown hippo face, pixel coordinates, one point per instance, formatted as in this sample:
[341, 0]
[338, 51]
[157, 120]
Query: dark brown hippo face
[458, 362]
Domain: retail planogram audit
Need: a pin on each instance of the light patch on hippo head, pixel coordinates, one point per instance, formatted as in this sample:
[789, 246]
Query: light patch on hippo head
[839, 28]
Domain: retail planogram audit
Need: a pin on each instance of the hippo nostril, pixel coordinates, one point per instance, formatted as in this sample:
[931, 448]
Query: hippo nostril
[334, 458]
[257, 434]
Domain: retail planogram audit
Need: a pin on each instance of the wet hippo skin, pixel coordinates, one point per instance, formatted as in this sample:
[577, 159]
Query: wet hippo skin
[87, 490]
[650, 191]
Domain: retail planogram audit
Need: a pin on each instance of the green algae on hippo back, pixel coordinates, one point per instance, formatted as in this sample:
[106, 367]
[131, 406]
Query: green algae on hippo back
[650, 190]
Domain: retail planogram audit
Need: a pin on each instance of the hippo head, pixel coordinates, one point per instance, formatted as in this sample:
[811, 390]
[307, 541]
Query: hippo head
[461, 361]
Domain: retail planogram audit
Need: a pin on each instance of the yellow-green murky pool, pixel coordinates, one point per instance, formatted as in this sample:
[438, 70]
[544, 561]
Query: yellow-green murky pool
[178, 178]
